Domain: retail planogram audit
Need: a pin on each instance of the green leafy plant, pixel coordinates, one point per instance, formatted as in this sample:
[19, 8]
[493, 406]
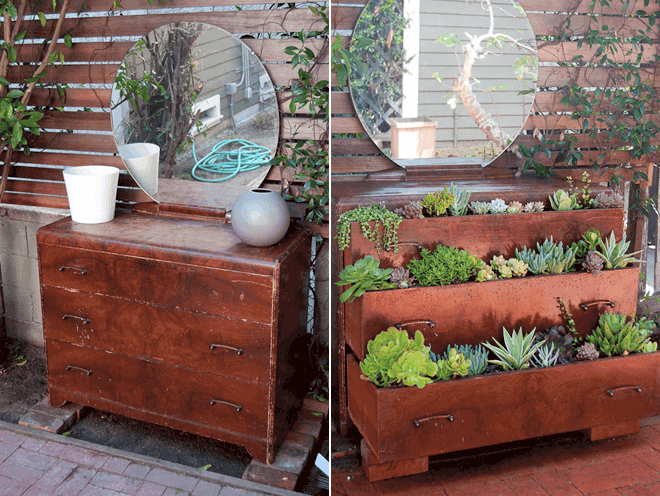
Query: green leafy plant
[364, 275]
[547, 356]
[384, 350]
[550, 257]
[437, 203]
[461, 199]
[614, 254]
[444, 265]
[380, 216]
[561, 200]
[618, 335]
[583, 195]
[454, 365]
[477, 355]
[413, 368]
[517, 351]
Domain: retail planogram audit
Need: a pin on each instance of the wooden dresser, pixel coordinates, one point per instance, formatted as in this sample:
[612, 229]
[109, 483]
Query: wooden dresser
[177, 322]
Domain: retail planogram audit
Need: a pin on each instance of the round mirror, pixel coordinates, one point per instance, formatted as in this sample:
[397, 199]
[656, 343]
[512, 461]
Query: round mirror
[443, 82]
[194, 115]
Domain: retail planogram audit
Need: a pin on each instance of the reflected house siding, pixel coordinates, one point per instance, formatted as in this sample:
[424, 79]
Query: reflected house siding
[438, 18]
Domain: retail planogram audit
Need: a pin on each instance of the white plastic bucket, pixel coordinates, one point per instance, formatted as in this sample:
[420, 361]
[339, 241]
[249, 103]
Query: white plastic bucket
[141, 160]
[92, 192]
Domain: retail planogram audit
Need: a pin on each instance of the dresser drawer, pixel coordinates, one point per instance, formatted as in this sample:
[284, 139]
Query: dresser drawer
[226, 347]
[226, 293]
[169, 391]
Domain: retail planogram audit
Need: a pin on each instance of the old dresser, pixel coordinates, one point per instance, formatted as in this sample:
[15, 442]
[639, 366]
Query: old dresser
[175, 321]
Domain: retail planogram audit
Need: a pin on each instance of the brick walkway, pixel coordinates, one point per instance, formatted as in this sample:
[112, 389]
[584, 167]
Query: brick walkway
[42, 464]
[558, 466]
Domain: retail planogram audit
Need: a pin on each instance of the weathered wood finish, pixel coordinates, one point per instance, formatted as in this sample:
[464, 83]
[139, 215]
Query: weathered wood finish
[169, 303]
[471, 313]
[271, 51]
[502, 407]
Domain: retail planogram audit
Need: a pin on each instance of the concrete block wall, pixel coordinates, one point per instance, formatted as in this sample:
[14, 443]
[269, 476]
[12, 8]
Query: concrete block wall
[20, 270]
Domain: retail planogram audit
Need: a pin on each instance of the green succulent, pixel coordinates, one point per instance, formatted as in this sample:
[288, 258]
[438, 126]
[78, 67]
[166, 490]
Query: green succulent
[480, 207]
[498, 206]
[455, 365]
[506, 269]
[517, 351]
[461, 199]
[379, 215]
[614, 254]
[550, 257]
[477, 355]
[436, 203]
[364, 275]
[384, 350]
[649, 347]
[536, 263]
[413, 368]
[444, 265]
[547, 356]
[486, 274]
[590, 242]
[561, 200]
[518, 267]
[616, 335]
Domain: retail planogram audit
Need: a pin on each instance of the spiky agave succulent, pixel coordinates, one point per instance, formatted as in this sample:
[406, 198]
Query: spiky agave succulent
[517, 350]
[614, 254]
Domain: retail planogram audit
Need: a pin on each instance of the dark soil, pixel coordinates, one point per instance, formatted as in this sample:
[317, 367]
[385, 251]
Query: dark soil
[22, 379]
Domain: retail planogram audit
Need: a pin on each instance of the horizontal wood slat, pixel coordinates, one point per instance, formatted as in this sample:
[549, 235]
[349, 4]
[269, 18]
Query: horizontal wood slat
[72, 98]
[58, 189]
[271, 50]
[579, 6]
[345, 146]
[70, 159]
[566, 51]
[99, 143]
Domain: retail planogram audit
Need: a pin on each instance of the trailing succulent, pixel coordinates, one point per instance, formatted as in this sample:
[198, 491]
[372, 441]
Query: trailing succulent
[614, 254]
[380, 216]
[364, 275]
[616, 335]
[517, 351]
[388, 348]
[477, 355]
[444, 265]
[437, 203]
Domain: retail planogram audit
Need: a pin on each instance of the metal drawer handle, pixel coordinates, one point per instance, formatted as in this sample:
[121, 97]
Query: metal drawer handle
[238, 407]
[416, 244]
[69, 367]
[84, 320]
[636, 388]
[400, 325]
[585, 306]
[82, 271]
[238, 351]
[425, 419]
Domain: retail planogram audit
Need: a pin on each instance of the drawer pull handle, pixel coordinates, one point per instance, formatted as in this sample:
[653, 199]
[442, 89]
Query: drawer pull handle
[407, 243]
[238, 407]
[636, 388]
[84, 320]
[83, 272]
[70, 367]
[585, 306]
[417, 422]
[400, 325]
[237, 350]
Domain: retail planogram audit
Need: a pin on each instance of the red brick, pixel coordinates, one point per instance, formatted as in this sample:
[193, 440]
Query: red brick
[516, 466]
[6, 449]
[12, 438]
[32, 459]
[298, 438]
[116, 482]
[151, 489]
[33, 444]
[36, 420]
[170, 491]
[83, 456]
[498, 488]
[525, 486]
[9, 487]
[75, 482]
[565, 457]
[652, 459]
[650, 421]
[418, 484]
[636, 490]
[316, 406]
[173, 479]
[650, 436]
[638, 469]
[55, 475]
[622, 446]
[137, 471]
[269, 475]
[451, 478]
[116, 465]
[204, 488]
[335, 484]
[20, 472]
[555, 484]
[51, 448]
[291, 458]
[598, 477]
[606, 492]
[357, 485]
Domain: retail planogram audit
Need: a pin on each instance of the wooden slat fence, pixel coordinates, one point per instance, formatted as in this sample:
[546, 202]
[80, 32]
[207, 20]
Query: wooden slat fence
[78, 138]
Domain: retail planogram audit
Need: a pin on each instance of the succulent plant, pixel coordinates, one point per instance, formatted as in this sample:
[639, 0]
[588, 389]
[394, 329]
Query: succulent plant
[498, 206]
[480, 208]
[384, 350]
[380, 216]
[508, 268]
[533, 207]
[401, 278]
[436, 203]
[412, 210]
[364, 275]
[546, 356]
[608, 199]
[486, 274]
[590, 242]
[477, 355]
[517, 351]
[518, 267]
[550, 258]
[444, 265]
[413, 368]
[587, 352]
[461, 199]
[561, 200]
[454, 365]
[649, 347]
[556, 335]
[515, 207]
[614, 254]
[593, 263]
[615, 335]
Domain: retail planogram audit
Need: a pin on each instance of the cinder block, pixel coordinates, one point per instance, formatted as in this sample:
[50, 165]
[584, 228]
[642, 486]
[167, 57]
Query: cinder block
[13, 239]
[31, 332]
[19, 304]
[20, 271]
[36, 215]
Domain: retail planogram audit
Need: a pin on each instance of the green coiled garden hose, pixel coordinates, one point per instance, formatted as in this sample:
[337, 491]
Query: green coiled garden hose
[248, 156]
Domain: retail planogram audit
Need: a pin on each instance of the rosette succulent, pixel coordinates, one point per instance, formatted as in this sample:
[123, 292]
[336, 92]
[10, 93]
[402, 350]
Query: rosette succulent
[364, 275]
[498, 206]
[413, 368]
[561, 200]
[455, 365]
[480, 207]
[616, 335]
[486, 274]
[477, 355]
[533, 207]
[515, 207]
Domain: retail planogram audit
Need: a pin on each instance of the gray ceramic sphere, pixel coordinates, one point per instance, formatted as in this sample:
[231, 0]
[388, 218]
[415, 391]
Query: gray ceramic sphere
[260, 217]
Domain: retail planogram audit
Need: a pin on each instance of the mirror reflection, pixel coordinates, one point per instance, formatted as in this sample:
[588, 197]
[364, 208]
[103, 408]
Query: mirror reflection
[439, 81]
[194, 115]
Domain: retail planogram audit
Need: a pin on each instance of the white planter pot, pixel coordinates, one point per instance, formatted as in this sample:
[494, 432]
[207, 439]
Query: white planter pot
[92, 192]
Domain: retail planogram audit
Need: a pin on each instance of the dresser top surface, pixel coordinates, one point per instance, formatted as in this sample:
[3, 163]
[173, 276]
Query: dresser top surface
[192, 241]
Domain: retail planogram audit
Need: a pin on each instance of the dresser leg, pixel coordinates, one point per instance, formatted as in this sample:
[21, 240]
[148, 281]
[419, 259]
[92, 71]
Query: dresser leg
[56, 399]
[375, 471]
[614, 430]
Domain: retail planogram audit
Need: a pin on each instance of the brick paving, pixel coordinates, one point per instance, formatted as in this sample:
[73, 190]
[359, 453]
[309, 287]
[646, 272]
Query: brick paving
[557, 466]
[43, 464]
